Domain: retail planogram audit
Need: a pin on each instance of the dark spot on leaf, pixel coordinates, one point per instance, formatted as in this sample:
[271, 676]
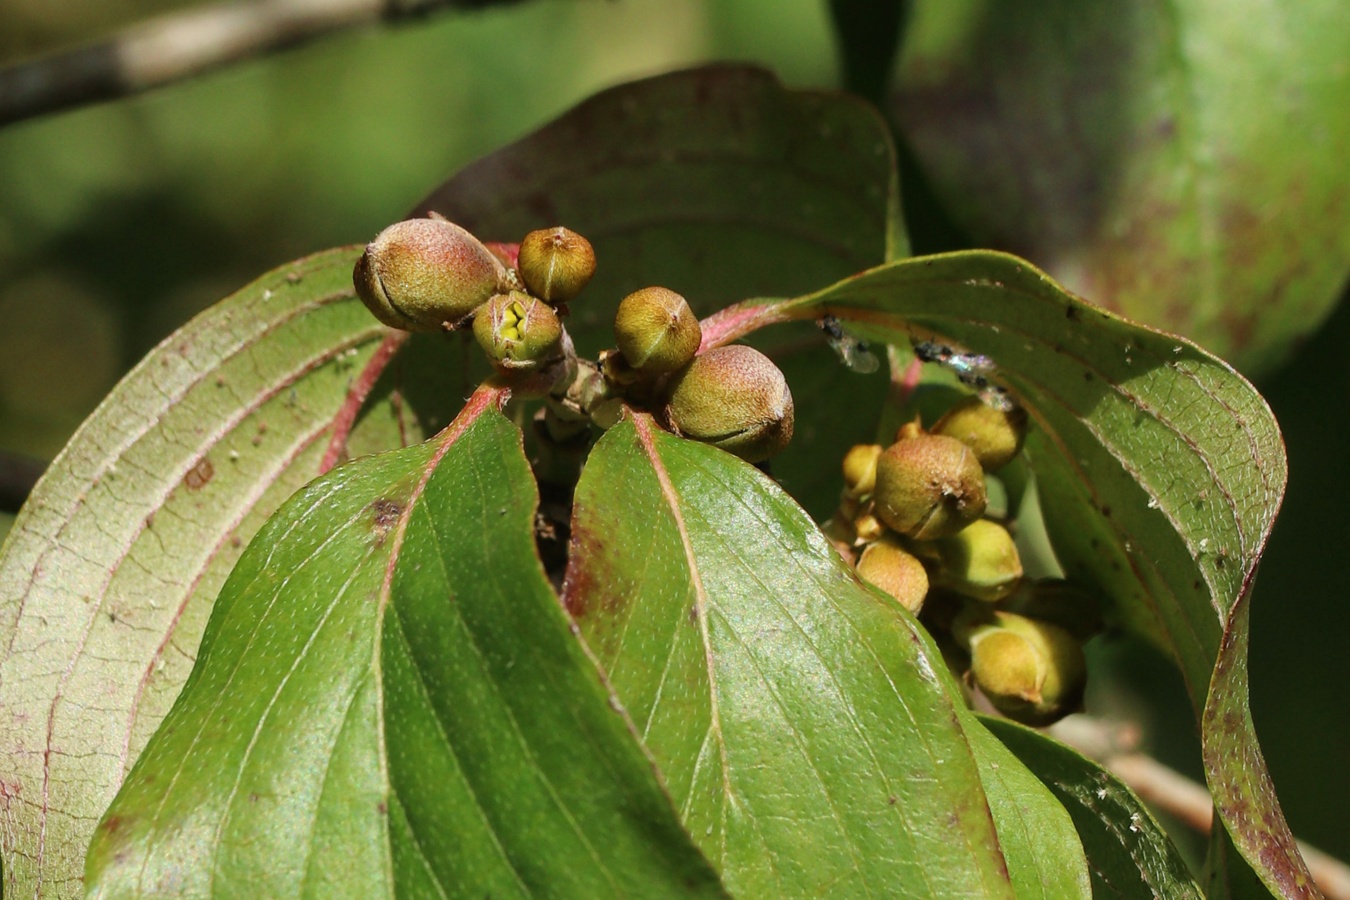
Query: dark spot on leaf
[199, 475]
[892, 800]
[382, 808]
[1071, 313]
[293, 277]
[253, 798]
[1106, 511]
[1196, 584]
[112, 824]
[693, 614]
[384, 515]
[1087, 376]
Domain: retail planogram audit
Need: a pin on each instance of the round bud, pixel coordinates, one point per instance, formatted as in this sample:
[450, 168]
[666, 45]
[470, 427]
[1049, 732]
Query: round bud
[896, 571]
[425, 275]
[656, 330]
[860, 469]
[734, 398]
[1033, 672]
[929, 486]
[518, 332]
[995, 435]
[555, 263]
[979, 561]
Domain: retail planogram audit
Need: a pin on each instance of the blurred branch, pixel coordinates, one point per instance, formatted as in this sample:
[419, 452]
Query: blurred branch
[1115, 747]
[183, 44]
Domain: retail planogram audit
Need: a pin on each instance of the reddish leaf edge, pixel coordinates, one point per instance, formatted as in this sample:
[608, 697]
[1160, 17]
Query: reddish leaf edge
[1244, 795]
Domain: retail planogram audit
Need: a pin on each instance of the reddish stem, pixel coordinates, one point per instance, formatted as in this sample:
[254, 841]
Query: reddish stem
[356, 398]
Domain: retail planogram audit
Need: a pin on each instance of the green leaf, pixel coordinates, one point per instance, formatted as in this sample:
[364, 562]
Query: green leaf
[1045, 856]
[798, 716]
[389, 701]
[1161, 471]
[1129, 854]
[109, 575]
[1180, 162]
[110, 570]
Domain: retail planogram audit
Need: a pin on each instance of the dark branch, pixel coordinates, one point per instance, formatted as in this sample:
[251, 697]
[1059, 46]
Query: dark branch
[181, 45]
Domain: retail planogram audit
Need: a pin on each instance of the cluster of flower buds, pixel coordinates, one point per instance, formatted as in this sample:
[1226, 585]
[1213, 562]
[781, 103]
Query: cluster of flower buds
[432, 275]
[732, 397]
[913, 517]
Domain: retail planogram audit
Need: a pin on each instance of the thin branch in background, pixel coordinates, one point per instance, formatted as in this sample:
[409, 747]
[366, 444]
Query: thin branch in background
[183, 44]
[1115, 747]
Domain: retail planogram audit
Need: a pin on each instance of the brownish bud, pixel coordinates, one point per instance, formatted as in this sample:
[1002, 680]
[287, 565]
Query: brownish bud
[896, 571]
[555, 263]
[518, 332]
[425, 275]
[734, 398]
[656, 330]
[995, 435]
[929, 486]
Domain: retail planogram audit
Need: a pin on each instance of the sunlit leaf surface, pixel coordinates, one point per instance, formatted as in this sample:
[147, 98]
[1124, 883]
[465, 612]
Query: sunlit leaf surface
[389, 702]
[798, 717]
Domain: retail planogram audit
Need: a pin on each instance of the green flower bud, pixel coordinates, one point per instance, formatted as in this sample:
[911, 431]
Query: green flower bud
[425, 275]
[995, 435]
[979, 561]
[860, 469]
[555, 263]
[734, 398]
[1031, 671]
[929, 486]
[518, 332]
[896, 571]
[656, 330]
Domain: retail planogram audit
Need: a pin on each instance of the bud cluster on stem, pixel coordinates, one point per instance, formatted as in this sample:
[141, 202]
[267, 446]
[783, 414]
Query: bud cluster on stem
[432, 275]
[914, 517]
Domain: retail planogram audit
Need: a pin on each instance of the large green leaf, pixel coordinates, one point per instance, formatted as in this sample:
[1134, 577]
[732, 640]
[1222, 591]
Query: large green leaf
[1182, 162]
[389, 701]
[720, 182]
[797, 716]
[1129, 854]
[1161, 470]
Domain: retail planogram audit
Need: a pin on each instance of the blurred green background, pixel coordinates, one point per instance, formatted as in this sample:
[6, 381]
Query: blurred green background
[119, 222]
